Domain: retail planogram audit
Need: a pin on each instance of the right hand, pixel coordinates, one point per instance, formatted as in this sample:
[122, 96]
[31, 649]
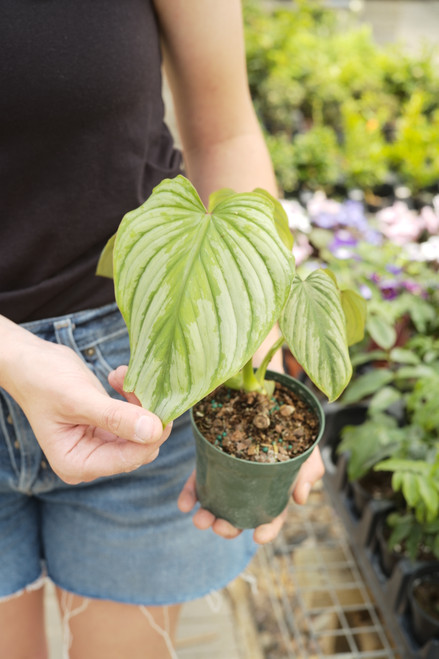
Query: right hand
[83, 432]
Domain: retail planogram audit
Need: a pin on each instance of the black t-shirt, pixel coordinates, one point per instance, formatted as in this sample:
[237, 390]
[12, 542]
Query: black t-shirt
[82, 141]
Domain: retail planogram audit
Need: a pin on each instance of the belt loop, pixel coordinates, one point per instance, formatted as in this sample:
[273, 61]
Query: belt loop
[64, 333]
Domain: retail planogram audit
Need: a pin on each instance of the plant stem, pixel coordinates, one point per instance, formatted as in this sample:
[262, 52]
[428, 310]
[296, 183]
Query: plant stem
[262, 369]
[250, 381]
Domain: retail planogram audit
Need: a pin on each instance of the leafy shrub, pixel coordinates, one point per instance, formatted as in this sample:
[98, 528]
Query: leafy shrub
[313, 69]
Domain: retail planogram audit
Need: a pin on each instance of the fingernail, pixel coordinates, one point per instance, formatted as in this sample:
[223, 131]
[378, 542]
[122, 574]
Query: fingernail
[144, 429]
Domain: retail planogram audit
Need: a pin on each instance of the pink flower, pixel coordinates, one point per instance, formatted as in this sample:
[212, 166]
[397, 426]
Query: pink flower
[301, 248]
[400, 224]
[431, 218]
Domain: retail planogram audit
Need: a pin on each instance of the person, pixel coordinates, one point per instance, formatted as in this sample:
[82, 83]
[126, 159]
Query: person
[89, 481]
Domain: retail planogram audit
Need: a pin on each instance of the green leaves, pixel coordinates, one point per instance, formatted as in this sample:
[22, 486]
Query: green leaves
[314, 326]
[381, 331]
[367, 384]
[370, 442]
[198, 291]
[418, 482]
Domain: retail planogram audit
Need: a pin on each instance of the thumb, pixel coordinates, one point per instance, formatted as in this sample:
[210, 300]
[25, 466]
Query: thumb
[126, 420]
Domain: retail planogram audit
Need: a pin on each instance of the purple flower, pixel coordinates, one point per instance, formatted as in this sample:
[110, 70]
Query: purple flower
[352, 215]
[389, 288]
[324, 212]
[393, 269]
[373, 237]
[341, 244]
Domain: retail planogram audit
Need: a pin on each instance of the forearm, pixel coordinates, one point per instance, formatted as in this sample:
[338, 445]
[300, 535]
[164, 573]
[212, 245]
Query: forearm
[14, 340]
[240, 162]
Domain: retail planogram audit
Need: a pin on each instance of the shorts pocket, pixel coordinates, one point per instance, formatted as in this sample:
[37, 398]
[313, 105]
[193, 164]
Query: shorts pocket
[108, 353]
[103, 345]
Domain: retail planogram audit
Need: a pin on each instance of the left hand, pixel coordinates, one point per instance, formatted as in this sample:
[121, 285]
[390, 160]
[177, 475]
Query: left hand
[311, 471]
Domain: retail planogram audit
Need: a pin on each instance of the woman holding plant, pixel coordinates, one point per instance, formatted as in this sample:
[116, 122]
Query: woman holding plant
[89, 481]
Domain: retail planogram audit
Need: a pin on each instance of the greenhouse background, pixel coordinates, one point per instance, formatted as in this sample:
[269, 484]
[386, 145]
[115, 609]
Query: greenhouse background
[347, 93]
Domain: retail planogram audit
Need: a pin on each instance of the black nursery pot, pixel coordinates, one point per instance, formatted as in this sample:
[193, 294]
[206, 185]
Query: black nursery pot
[388, 557]
[425, 626]
[249, 493]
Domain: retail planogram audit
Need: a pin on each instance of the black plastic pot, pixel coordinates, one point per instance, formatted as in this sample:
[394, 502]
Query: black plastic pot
[388, 557]
[246, 493]
[425, 626]
[369, 488]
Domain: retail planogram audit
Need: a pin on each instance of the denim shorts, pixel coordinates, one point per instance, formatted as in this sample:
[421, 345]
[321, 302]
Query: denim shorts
[120, 538]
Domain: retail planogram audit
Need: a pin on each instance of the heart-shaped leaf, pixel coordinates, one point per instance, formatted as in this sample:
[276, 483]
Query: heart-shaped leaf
[198, 291]
[313, 324]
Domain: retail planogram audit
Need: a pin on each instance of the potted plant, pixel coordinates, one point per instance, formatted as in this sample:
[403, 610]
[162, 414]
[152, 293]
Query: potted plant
[412, 530]
[365, 445]
[401, 535]
[199, 290]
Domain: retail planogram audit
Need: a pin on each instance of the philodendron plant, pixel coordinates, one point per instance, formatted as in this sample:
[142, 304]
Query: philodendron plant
[200, 289]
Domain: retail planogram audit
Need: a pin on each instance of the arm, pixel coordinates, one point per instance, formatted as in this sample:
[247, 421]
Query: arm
[83, 432]
[223, 146]
[204, 59]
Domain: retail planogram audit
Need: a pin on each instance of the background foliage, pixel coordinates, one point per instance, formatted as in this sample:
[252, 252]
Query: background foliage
[338, 109]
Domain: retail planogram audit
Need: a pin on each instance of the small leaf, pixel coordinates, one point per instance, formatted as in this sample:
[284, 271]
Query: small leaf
[381, 331]
[410, 489]
[354, 307]
[383, 399]
[105, 263]
[414, 372]
[371, 356]
[313, 325]
[404, 356]
[367, 384]
[430, 497]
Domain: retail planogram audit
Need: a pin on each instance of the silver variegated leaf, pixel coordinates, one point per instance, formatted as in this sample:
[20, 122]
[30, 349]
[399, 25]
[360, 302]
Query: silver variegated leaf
[314, 327]
[199, 291]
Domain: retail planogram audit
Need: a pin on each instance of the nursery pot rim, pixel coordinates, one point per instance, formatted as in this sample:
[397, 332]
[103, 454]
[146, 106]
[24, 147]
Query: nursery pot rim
[252, 464]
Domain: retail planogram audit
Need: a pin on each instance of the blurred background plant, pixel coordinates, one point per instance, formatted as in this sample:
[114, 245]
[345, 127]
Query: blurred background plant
[340, 111]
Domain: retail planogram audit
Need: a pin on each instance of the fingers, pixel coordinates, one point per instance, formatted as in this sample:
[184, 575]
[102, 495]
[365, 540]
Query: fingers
[267, 532]
[87, 463]
[188, 496]
[119, 418]
[203, 519]
[116, 379]
[311, 471]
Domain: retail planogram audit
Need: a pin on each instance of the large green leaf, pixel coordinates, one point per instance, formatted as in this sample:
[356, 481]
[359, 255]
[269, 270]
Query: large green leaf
[313, 324]
[199, 291]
